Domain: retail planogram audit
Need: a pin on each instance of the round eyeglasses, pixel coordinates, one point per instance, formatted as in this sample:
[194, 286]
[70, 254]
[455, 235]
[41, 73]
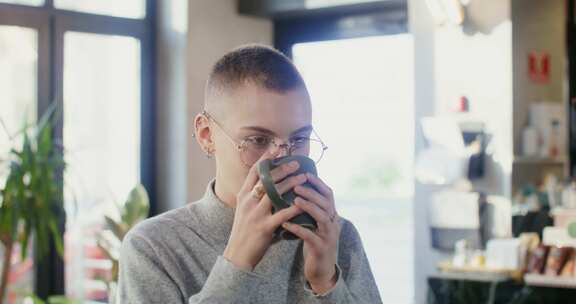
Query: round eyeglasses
[253, 147]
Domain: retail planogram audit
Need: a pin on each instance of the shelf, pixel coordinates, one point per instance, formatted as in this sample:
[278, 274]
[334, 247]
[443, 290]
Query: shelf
[469, 273]
[549, 281]
[473, 276]
[532, 160]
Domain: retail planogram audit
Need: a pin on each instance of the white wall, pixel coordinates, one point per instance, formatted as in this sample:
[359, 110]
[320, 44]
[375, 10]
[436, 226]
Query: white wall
[191, 36]
[214, 28]
[171, 136]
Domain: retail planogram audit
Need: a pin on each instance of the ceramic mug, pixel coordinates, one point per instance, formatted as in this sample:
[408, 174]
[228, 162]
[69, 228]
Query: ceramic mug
[280, 202]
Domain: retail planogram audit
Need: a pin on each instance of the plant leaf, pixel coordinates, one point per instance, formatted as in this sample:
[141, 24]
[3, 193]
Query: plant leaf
[57, 237]
[136, 207]
[115, 227]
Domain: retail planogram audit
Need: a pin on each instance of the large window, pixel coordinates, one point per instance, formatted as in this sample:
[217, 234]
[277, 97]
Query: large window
[24, 2]
[102, 140]
[124, 8]
[357, 62]
[93, 58]
[362, 102]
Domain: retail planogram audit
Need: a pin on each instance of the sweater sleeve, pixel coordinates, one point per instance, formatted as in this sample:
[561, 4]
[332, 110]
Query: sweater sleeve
[355, 282]
[142, 279]
[227, 284]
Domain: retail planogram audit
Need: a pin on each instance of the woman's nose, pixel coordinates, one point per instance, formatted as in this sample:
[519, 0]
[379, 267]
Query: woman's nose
[284, 150]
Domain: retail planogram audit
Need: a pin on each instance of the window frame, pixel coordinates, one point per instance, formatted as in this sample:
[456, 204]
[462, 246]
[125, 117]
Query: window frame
[340, 22]
[51, 24]
[571, 102]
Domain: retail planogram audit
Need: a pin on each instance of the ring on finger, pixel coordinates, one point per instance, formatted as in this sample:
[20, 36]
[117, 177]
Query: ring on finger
[258, 191]
[333, 217]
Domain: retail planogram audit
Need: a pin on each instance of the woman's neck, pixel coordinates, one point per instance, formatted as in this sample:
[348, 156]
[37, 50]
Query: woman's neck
[224, 194]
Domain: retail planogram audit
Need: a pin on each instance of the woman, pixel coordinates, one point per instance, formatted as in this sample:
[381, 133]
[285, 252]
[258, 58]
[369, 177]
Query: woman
[221, 248]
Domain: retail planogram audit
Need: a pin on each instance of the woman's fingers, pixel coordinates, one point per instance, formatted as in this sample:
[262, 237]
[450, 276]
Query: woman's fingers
[265, 205]
[321, 186]
[307, 235]
[284, 170]
[252, 177]
[315, 197]
[290, 183]
[320, 215]
[282, 187]
[283, 215]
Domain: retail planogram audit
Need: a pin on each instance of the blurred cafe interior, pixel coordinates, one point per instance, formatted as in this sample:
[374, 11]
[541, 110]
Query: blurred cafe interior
[450, 128]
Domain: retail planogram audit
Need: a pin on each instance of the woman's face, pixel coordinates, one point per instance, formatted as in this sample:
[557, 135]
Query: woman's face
[251, 111]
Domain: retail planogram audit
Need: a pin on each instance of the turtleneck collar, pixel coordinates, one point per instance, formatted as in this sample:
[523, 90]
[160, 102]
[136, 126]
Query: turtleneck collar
[214, 215]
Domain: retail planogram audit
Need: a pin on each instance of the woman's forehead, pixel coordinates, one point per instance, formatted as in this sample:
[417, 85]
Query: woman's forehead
[302, 130]
[276, 123]
[281, 113]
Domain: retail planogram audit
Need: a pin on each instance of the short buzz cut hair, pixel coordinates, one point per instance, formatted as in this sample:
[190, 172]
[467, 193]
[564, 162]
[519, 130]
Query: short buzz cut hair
[257, 64]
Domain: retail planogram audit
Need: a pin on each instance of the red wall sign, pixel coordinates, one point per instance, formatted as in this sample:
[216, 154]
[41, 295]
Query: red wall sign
[539, 67]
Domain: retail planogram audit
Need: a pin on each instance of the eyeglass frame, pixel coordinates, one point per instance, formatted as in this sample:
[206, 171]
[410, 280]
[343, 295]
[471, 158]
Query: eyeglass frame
[239, 146]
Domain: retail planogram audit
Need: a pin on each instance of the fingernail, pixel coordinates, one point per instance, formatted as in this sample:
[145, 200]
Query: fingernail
[285, 225]
[294, 164]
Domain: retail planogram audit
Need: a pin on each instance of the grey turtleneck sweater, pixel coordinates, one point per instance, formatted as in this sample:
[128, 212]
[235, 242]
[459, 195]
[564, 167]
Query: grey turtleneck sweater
[176, 257]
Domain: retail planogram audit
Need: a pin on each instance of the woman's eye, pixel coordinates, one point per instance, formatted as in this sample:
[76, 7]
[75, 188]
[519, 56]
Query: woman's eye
[260, 140]
[299, 140]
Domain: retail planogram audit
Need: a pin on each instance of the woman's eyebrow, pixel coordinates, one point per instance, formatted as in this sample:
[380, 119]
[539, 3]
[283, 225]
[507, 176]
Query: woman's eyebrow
[303, 129]
[269, 132]
[258, 129]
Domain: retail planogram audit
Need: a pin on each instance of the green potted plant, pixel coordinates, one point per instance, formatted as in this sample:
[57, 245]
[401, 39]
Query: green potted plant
[31, 198]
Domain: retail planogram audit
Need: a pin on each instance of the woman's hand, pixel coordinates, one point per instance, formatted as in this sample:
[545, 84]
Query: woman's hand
[320, 246]
[254, 224]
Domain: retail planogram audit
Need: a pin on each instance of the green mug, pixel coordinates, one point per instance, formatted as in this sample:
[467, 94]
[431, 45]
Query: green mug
[280, 202]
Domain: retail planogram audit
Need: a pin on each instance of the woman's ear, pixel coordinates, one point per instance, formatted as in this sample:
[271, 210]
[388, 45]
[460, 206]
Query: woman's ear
[203, 134]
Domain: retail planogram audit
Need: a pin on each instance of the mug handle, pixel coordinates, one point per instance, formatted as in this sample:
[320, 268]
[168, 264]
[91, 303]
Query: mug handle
[268, 183]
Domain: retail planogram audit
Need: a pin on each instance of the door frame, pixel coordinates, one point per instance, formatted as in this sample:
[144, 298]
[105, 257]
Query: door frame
[345, 22]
